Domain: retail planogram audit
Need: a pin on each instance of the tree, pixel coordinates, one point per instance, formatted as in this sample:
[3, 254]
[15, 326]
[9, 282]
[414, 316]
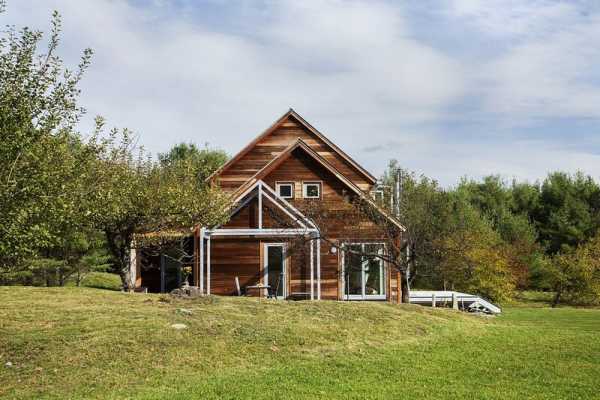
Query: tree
[473, 256]
[575, 274]
[93, 257]
[569, 212]
[205, 161]
[451, 236]
[491, 197]
[495, 200]
[38, 112]
[77, 256]
[424, 209]
[525, 199]
[135, 195]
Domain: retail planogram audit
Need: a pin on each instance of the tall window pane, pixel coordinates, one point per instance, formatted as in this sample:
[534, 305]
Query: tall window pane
[373, 270]
[353, 270]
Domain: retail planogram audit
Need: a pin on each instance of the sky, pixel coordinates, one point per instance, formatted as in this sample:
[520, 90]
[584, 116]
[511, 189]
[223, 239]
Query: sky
[451, 89]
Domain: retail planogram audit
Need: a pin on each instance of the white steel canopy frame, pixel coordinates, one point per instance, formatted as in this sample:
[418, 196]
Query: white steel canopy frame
[263, 192]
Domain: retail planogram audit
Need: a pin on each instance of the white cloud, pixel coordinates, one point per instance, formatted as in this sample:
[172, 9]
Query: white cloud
[515, 18]
[174, 78]
[549, 63]
[360, 71]
[554, 77]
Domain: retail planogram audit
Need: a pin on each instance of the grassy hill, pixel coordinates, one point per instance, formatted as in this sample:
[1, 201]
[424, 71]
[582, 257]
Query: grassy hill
[90, 343]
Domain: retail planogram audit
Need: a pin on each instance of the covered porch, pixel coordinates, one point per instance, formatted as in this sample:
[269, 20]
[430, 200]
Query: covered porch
[268, 248]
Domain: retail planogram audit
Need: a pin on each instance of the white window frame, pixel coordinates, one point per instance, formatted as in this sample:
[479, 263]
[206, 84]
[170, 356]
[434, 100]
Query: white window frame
[305, 195]
[280, 184]
[363, 295]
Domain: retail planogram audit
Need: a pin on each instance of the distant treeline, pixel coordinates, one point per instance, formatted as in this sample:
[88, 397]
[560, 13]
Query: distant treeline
[494, 237]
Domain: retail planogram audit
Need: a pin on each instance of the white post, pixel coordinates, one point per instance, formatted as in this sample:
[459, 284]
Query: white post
[433, 300]
[208, 266]
[260, 211]
[454, 301]
[202, 260]
[318, 269]
[312, 270]
[237, 286]
[132, 267]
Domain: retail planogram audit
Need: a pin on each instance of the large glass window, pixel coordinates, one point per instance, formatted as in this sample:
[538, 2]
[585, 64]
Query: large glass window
[364, 272]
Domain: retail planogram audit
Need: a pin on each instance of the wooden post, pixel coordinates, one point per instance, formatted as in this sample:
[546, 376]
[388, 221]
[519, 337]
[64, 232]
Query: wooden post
[433, 300]
[454, 301]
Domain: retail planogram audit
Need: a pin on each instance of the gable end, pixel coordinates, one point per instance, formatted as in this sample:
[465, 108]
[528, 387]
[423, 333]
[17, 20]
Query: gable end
[274, 141]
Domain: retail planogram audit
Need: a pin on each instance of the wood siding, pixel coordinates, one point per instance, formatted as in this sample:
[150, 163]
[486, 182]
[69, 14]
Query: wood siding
[274, 144]
[247, 217]
[231, 257]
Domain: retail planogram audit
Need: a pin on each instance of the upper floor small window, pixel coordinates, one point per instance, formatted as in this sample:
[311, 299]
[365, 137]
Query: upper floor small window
[311, 190]
[285, 190]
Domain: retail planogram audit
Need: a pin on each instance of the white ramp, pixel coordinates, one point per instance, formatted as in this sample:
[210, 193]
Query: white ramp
[467, 302]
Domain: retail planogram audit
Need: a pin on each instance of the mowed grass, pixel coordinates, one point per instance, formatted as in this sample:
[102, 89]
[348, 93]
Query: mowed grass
[100, 280]
[88, 343]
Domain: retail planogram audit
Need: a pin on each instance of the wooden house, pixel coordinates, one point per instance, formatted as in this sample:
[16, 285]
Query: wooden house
[272, 246]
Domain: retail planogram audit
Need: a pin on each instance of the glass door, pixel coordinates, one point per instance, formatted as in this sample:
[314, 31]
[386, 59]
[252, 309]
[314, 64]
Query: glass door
[274, 268]
[364, 272]
[353, 271]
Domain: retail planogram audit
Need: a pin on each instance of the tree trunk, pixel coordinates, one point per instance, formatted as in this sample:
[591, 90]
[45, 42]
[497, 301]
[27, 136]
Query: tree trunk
[404, 288]
[556, 299]
[126, 278]
[62, 279]
[119, 244]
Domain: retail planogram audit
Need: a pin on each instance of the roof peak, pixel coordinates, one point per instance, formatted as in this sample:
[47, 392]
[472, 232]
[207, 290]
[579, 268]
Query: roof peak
[310, 128]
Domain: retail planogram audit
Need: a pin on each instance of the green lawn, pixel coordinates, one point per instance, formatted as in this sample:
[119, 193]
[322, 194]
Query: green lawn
[100, 280]
[90, 343]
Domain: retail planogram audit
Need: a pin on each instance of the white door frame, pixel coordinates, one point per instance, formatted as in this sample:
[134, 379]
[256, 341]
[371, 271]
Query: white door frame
[283, 267]
[363, 295]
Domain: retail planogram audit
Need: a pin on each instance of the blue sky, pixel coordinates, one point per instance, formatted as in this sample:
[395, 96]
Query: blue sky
[449, 88]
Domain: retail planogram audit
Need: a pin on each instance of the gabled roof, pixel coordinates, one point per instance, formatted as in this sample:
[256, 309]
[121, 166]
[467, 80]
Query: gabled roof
[310, 128]
[300, 144]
